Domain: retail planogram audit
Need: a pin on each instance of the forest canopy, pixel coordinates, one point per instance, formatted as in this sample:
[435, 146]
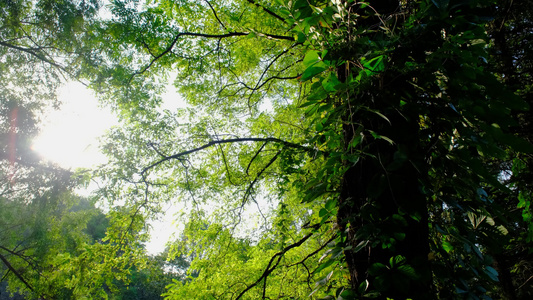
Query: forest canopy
[328, 149]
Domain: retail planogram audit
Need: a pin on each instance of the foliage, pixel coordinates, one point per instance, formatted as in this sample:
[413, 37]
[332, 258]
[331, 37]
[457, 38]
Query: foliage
[510, 31]
[288, 113]
[148, 282]
[328, 149]
[45, 251]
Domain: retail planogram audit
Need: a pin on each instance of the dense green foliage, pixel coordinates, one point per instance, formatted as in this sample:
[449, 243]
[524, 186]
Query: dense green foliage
[327, 149]
[53, 244]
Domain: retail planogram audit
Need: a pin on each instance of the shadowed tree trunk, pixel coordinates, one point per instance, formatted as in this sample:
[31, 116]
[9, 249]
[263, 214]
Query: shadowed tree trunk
[381, 201]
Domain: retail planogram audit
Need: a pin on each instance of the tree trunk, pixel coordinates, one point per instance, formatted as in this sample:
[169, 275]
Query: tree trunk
[381, 202]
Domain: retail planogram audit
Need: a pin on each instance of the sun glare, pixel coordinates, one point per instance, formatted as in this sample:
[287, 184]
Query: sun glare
[69, 136]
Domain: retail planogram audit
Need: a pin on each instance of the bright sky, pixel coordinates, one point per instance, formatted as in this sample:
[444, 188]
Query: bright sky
[69, 137]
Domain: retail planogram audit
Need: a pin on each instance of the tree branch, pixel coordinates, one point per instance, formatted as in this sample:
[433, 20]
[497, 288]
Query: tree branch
[250, 187]
[33, 53]
[19, 276]
[265, 71]
[269, 269]
[217, 142]
[40, 56]
[215, 13]
[205, 35]
[314, 252]
[268, 11]
[255, 156]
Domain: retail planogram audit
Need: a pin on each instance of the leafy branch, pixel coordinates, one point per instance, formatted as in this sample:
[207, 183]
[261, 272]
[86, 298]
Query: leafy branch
[34, 52]
[215, 14]
[249, 189]
[268, 11]
[17, 274]
[226, 141]
[204, 35]
[270, 267]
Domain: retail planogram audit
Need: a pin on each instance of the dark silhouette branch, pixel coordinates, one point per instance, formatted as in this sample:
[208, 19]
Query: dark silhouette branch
[255, 156]
[270, 267]
[32, 51]
[217, 142]
[189, 189]
[268, 11]
[181, 34]
[314, 252]
[205, 35]
[226, 164]
[17, 274]
[19, 251]
[152, 145]
[215, 14]
[224, 159]
[258, 84]
[251, 186]
[20, 254]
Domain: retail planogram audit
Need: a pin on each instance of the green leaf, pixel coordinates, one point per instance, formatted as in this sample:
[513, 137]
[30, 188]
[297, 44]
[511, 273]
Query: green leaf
[322, 282]
[379, 114]
[517, 143]
[362, 287]
[331, 204]
[375, 64]
[300, 37]
[408, 271]
[311, 72]
[399, 236]
[396, 261]
[477, 251]
[315, 192]
[377, 268]
[331, 83]
[377, 136]
[360, 246]
[383, 282]
[307, 103]
[492, 273]
[399, 219]
[311, 57]
[318, 94]
[336, 252]
[319, 126]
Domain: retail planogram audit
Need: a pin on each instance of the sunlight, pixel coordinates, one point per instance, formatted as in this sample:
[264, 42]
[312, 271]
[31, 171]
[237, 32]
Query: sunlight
[70, 135]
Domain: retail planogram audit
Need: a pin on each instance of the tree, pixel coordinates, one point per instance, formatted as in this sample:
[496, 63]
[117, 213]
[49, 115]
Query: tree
[381, 118]
[150, 282]
[396, 95]
[44, 249]
[329, 148]
[511, 35]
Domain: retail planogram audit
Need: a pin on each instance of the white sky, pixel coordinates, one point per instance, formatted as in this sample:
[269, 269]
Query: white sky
[69, 137]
